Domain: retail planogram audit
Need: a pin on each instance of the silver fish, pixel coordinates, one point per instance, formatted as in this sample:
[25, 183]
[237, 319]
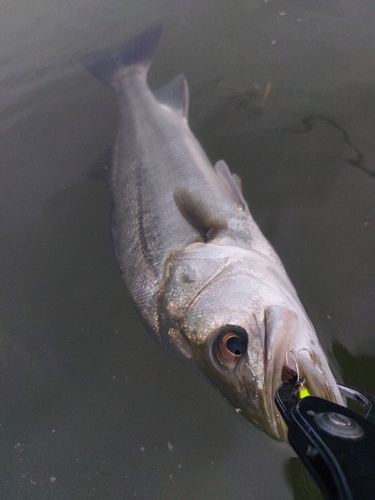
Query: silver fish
[205, 280]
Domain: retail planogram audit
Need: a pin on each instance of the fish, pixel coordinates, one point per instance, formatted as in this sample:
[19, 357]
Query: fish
[208, 285]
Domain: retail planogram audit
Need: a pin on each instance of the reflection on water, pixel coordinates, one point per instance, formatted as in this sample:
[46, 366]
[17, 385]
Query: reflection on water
[90, 408]
[357, 371]
[303, 485]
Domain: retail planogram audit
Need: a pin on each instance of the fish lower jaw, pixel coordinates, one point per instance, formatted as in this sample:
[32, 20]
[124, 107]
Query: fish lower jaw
[273, 424]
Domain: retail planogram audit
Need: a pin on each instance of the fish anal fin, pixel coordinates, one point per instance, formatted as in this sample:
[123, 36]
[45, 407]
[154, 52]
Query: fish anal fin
[199, 214]
[115, 241]
[232, 184]
[101, 169]
[175, 95]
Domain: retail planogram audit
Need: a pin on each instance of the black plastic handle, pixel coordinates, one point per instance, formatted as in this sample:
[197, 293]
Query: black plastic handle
[336, 444]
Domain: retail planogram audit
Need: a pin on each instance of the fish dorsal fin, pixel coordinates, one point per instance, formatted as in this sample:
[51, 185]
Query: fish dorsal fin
[206, 220]
[175, 95]
[232, 184]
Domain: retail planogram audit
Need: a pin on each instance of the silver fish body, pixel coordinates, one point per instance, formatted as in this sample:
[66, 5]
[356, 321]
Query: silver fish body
[207, 283]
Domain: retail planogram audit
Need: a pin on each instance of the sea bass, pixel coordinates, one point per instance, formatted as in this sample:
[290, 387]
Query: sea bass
[206, 282]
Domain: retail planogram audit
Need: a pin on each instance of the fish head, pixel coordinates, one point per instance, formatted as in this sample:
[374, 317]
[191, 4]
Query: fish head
[248, 332]
[249, 363]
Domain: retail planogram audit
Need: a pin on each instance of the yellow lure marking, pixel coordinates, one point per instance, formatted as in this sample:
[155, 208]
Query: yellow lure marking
[303, 391]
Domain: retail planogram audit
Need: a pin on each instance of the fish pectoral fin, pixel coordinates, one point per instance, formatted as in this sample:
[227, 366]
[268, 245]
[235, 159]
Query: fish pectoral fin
[199, 214]
[175, 95]
[232, 184]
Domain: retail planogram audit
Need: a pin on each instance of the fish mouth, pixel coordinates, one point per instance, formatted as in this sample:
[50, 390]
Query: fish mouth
[287, 357]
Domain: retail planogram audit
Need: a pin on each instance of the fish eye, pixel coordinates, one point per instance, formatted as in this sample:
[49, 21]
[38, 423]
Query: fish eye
[234, 344]
[230, 345]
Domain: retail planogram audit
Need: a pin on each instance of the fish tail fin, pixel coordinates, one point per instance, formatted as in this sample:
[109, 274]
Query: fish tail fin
[106, 65]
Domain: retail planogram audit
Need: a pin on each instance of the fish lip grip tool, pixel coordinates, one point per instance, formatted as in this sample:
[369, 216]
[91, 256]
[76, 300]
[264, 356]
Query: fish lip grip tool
[336, 444]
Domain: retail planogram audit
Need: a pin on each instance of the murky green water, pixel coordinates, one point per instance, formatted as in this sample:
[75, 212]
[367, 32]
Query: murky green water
[284, 91]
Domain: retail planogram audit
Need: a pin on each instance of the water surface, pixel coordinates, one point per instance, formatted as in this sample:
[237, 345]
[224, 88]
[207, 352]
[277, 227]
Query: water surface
[91, 407]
